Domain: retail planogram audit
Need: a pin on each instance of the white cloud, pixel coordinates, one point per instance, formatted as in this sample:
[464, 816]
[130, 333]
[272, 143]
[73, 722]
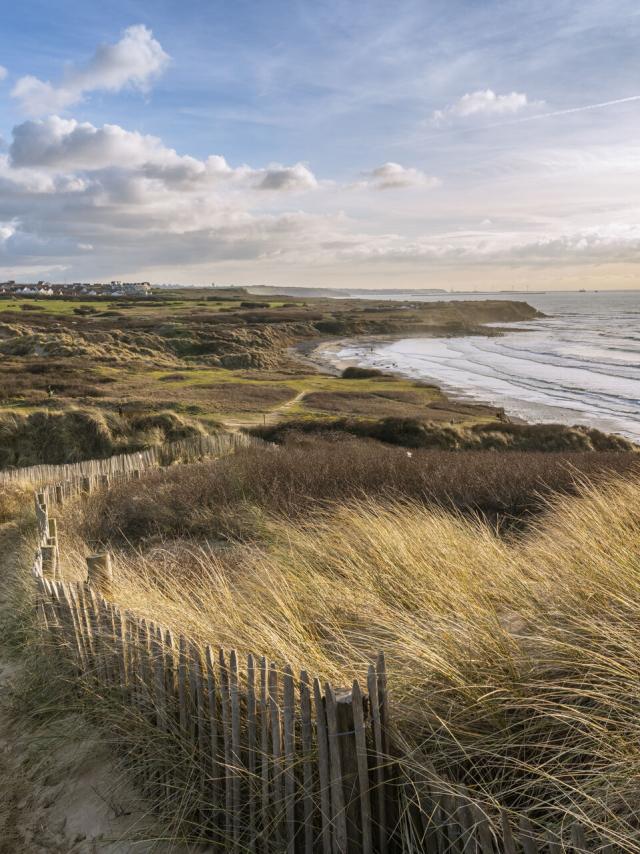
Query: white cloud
[90, 197]
[54, 144]
[133, 61]
[3, 72]
[393, 176]
[484, 102]
[297, 177]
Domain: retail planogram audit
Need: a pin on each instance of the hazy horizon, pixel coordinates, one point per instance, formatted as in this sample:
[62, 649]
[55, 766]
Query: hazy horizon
[439, 145]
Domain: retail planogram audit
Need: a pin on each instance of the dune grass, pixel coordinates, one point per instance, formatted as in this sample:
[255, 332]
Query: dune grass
[229, 498]
[514, 662]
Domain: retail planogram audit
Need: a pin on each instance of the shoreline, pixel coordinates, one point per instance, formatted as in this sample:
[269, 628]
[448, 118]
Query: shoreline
[309, 353]
[323, 356]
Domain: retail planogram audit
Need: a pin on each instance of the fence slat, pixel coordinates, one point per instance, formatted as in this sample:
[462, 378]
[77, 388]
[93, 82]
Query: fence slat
[251, 748]
[357, 701]
[527, 839]
[226, 737]
[276, 752]
[213, 734]
[323, 767]
[380, 759]
[264, 752]
[508, 840]
[236, 750]
[338, 817]
[289, 756]
[306, 733]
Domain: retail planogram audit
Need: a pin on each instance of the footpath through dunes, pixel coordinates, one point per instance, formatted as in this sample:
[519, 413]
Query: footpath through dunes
[64, 787]
[480, 728]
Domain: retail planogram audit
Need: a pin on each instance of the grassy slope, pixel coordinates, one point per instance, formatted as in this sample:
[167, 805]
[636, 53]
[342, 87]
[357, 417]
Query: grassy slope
[513, 662]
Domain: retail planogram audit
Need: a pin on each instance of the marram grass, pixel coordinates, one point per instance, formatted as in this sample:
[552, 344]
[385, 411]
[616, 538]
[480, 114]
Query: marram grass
[514, 665]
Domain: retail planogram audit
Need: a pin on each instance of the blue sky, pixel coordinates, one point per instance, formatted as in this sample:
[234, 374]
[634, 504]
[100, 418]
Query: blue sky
[336, 143]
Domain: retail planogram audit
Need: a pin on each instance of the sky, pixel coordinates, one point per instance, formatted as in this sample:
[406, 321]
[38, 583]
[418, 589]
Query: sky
[460, 145]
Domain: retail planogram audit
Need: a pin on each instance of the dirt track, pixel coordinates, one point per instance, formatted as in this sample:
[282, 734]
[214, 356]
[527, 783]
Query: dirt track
[60, 791]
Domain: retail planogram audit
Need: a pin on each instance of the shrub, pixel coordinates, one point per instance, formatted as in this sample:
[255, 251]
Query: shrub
[493, 435]
[355, 373]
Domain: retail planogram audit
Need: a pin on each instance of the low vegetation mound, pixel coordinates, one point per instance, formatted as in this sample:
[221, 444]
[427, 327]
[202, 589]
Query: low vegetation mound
[355, 373]
[231, 497]
[494, 435]
[81, 434]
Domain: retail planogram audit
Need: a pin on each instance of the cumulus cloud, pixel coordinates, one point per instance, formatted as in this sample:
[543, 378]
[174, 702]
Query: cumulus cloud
[297, 177]
[133, 61]
[55, 144]
[393, 176]
[484, 102]
[67, 185]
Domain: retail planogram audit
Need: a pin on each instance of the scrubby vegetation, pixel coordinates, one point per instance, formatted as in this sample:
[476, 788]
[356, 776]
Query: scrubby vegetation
[80, 434]
[492, 435]
[190, 352]
[230, 498]
[513, 660]
[355, 373]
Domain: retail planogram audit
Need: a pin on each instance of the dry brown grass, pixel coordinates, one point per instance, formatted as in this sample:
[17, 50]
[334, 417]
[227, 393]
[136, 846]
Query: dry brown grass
[230, 497]
[514, 665]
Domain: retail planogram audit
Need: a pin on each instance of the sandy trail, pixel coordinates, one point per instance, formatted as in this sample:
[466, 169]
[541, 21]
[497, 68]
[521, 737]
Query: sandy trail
[255, 419]
[60, 789]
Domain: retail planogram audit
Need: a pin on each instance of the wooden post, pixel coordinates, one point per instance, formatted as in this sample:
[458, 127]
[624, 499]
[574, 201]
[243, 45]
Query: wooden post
[338, 815]
[578, 839]
[226, 738]
[527, 839]
[508, 841]
[358, 712]
[380, 760]
[347, 748]
[100, 573]
[59, 493]
[48, 562]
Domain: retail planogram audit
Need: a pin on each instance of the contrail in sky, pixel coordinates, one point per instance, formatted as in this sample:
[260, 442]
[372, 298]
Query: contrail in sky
[566, 112]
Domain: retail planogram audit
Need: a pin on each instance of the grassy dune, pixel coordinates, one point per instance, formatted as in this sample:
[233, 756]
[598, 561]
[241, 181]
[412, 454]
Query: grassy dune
[514, 660]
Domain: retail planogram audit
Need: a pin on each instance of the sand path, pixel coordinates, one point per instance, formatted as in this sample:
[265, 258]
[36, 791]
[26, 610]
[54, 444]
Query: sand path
[61, 791]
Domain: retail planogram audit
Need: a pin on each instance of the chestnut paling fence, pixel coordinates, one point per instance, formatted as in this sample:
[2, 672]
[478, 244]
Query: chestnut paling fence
[256, 757]
[192, 449]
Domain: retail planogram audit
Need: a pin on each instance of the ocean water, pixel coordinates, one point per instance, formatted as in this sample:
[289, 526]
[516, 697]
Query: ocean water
[578, 365]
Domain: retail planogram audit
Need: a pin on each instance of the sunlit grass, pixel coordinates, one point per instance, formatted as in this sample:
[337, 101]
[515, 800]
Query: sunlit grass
[514, 665]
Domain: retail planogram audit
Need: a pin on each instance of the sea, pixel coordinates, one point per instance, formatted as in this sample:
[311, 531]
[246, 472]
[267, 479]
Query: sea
[580, 364]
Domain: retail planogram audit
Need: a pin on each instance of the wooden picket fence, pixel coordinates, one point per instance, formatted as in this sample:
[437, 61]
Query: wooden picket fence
[274, 761]
[193, 449]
